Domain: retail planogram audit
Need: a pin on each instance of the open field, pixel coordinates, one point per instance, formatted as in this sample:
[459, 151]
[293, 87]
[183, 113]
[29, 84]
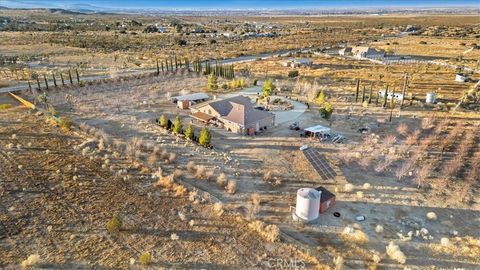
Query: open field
[411, 170]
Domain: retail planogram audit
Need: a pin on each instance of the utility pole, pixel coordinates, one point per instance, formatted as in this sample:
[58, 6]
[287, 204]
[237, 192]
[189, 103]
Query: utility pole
[404, 91]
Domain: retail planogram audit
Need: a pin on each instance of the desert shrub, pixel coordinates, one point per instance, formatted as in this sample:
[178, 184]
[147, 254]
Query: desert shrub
[354, 235]
[394, 252]
[200, 172]
[267, 176]
[231, 187]
[145, 259]
[5, 106]
[172, 157]
[152, 159]
[321, 98]
[348, 187]
[191, 167]
[218, 208]
[270, 233]
[431, 216]
[65, 123]
[165, 181]
[268, 88]
[256, 199]
[179, 190]
[222, 180]
[293, 73]
[114, 225]
[31, 260]
[402, 129]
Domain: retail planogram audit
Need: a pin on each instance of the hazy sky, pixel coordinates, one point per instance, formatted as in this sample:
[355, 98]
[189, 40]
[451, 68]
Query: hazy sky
[273, 4]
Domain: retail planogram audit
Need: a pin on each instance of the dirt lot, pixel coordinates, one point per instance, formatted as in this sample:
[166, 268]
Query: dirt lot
[56, 200]
[125, 110]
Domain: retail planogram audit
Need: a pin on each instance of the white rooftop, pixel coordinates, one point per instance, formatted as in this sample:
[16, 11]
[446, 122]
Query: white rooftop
[191, 97]
[318, 129]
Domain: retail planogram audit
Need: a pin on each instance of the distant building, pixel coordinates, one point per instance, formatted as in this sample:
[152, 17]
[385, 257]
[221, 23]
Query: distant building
[367, 52]
[297, 62]
[345, 51]
[236, 114]
[362, 52]
[396, 96]
[461, 77]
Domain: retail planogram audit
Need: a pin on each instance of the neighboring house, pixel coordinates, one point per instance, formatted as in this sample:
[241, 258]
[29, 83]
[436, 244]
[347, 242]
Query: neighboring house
[345, 51]
[461, 77]
[367, 52]
[236, 114]
[184, 102]
[297, 62]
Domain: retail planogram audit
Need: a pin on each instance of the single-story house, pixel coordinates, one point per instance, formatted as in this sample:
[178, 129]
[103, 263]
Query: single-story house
[236, 114]
[185, 101]
[327, 199]
[297, 62]
[367, 52]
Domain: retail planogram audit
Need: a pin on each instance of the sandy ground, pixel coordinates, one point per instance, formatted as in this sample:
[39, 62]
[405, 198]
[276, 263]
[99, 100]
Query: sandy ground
[128, 109]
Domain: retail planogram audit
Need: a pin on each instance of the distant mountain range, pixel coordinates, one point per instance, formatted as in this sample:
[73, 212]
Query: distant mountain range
[237, 7]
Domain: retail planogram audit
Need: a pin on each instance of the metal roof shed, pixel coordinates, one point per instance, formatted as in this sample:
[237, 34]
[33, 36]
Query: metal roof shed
[317, 130]
[190, 97]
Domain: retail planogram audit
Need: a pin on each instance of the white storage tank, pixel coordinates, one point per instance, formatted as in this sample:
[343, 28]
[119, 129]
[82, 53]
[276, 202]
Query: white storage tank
[431, 97]
[308, 204]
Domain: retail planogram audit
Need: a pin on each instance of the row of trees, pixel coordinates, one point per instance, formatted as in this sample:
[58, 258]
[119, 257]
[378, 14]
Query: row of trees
[171, 64]
[177, 127]
[64, 81]
[219, 70]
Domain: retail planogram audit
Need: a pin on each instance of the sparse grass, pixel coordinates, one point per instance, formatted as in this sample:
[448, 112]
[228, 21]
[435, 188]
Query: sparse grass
[218, 208]
[466, 246]
[179, 190]
[200, 172]
[114, 225]
[191, 167]
[32, 260]
[5, 106]
[65, 123]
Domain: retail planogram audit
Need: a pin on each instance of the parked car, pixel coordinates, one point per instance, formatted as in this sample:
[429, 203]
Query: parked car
[294, 126]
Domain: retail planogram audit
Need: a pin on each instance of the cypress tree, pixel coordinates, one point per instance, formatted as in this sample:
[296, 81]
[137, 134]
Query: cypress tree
[38, 83]
[370, 94]
[176, 62]
[162, 67]
[158, 67]
[54, 80]
[46, 82]
[363, 94]
[357, 90]
[385, 97]
[63, 80]
[70, 76]
[78, 76]
[29, 86]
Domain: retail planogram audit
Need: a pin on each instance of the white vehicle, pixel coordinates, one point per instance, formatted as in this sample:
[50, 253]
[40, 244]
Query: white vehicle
[304, 147]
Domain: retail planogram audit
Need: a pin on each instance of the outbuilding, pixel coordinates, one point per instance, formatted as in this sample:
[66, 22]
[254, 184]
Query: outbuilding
[327, 199]
[317, 131]
[461, 77]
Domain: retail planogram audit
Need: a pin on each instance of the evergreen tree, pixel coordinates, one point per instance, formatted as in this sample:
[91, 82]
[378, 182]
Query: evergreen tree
[321, 98]
[189, 132]
[205, 137]
[268, 88]
[212, 82]
[177, 125]
[326, 111]
[163, 122]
